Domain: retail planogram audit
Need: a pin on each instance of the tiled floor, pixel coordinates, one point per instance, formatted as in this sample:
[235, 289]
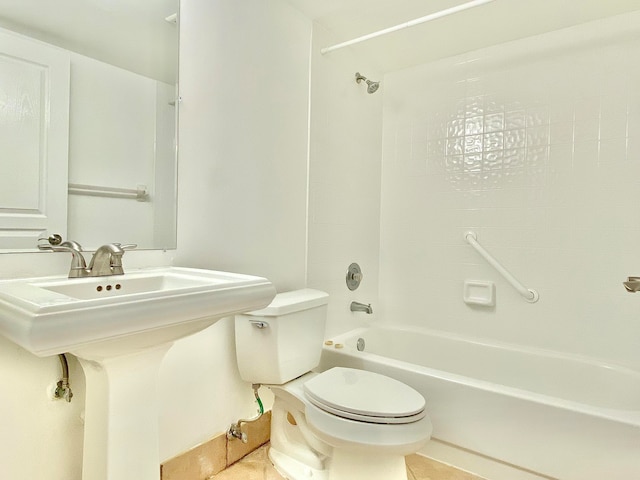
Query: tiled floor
[256, 466]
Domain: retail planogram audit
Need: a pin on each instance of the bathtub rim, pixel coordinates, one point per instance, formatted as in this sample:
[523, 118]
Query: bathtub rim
[626, 417]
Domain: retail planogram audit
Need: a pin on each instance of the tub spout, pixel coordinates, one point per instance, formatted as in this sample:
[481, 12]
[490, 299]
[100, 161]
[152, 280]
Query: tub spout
[361, 307]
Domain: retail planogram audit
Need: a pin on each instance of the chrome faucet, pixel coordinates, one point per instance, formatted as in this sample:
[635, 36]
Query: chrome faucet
[107, 260]
[361, 307]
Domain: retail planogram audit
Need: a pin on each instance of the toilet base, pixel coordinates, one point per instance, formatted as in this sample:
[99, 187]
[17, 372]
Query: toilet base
[292, 469]
[355, 465]
[344, 466]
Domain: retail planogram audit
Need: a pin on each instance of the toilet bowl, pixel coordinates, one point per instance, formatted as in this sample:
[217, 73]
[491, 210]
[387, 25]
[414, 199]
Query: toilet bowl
[341, 424]
[351, 438]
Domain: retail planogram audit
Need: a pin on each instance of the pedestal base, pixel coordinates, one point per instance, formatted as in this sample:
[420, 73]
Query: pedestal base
[121, 416]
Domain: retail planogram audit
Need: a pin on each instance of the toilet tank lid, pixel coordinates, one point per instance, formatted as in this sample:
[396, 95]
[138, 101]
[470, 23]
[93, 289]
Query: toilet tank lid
[293, 301]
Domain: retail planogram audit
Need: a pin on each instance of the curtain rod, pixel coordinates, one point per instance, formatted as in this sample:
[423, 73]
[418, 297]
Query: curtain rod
[410, 23]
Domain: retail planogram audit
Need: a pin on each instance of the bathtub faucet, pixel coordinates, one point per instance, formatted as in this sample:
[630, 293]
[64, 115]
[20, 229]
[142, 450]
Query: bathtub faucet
[361, 307]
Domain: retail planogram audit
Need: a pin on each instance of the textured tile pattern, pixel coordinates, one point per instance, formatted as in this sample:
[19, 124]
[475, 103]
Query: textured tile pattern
[535, 145]
[256, 466]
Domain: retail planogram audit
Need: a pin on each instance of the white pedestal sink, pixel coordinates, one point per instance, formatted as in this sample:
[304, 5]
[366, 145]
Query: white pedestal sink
[120, 327]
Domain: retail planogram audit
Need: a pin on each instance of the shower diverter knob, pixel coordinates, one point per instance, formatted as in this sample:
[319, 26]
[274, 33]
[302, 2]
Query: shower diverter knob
[354, 276]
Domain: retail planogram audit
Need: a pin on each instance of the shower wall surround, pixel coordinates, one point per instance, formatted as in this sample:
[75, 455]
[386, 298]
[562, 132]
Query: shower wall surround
[344, 182]
[535, 145]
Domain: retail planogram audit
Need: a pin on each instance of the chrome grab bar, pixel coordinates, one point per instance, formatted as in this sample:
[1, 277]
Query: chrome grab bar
[529, 294]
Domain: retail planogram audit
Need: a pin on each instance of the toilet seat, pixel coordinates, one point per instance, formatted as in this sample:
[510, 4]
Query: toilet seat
[365, 397]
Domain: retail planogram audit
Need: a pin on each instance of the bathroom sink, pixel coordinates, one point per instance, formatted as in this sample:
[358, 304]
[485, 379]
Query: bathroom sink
[116, 314]
[121, 327]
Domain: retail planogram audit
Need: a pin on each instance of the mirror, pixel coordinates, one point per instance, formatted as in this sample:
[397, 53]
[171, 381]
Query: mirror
[122, 115]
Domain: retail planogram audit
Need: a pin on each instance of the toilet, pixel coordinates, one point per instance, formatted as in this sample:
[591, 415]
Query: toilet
[341, 424]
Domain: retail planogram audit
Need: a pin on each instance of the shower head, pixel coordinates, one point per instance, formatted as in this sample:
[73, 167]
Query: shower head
[372, 86]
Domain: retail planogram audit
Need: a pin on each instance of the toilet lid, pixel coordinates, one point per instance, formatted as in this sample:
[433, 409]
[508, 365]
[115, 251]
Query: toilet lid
[365, 396]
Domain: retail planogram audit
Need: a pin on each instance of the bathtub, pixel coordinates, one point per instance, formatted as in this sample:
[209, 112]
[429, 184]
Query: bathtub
[557, 415]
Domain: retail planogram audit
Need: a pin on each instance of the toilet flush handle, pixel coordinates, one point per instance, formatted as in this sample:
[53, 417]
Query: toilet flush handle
[259, 323]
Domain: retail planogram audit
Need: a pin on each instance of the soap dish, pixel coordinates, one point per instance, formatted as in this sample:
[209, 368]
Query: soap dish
[479, 292]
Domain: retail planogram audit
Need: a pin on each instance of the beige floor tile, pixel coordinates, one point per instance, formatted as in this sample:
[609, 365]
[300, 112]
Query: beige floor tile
[198, 463]
[426, 469]
[245, 471]
[257, 466]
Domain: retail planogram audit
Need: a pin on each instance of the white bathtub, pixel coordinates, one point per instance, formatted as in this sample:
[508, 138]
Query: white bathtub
[557, 415]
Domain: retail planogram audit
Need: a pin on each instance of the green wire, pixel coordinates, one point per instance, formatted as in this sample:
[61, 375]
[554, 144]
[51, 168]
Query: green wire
[255, 392]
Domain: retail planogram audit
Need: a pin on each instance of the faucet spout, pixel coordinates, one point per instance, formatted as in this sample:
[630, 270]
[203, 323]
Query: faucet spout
[106, 257]
[361, 307]
[107, 260]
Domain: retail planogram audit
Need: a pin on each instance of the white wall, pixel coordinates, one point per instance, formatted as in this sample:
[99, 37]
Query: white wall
[243, 138]
[344, 182]
[243, 168]
[244, 79]
[535, 145]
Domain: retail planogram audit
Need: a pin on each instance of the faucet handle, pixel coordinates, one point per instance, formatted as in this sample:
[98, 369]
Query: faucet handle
[71, 246]
[116, 256]
[78, 264]
[53, 239]
[55, 243]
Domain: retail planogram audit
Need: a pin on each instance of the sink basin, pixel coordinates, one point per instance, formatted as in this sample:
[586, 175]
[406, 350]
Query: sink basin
[51, 315]
[120, 328]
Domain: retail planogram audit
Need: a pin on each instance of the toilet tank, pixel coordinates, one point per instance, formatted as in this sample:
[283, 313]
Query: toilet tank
[283, 340]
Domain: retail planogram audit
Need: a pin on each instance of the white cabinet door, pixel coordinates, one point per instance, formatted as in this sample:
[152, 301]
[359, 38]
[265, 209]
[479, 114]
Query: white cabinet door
[34, 138]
